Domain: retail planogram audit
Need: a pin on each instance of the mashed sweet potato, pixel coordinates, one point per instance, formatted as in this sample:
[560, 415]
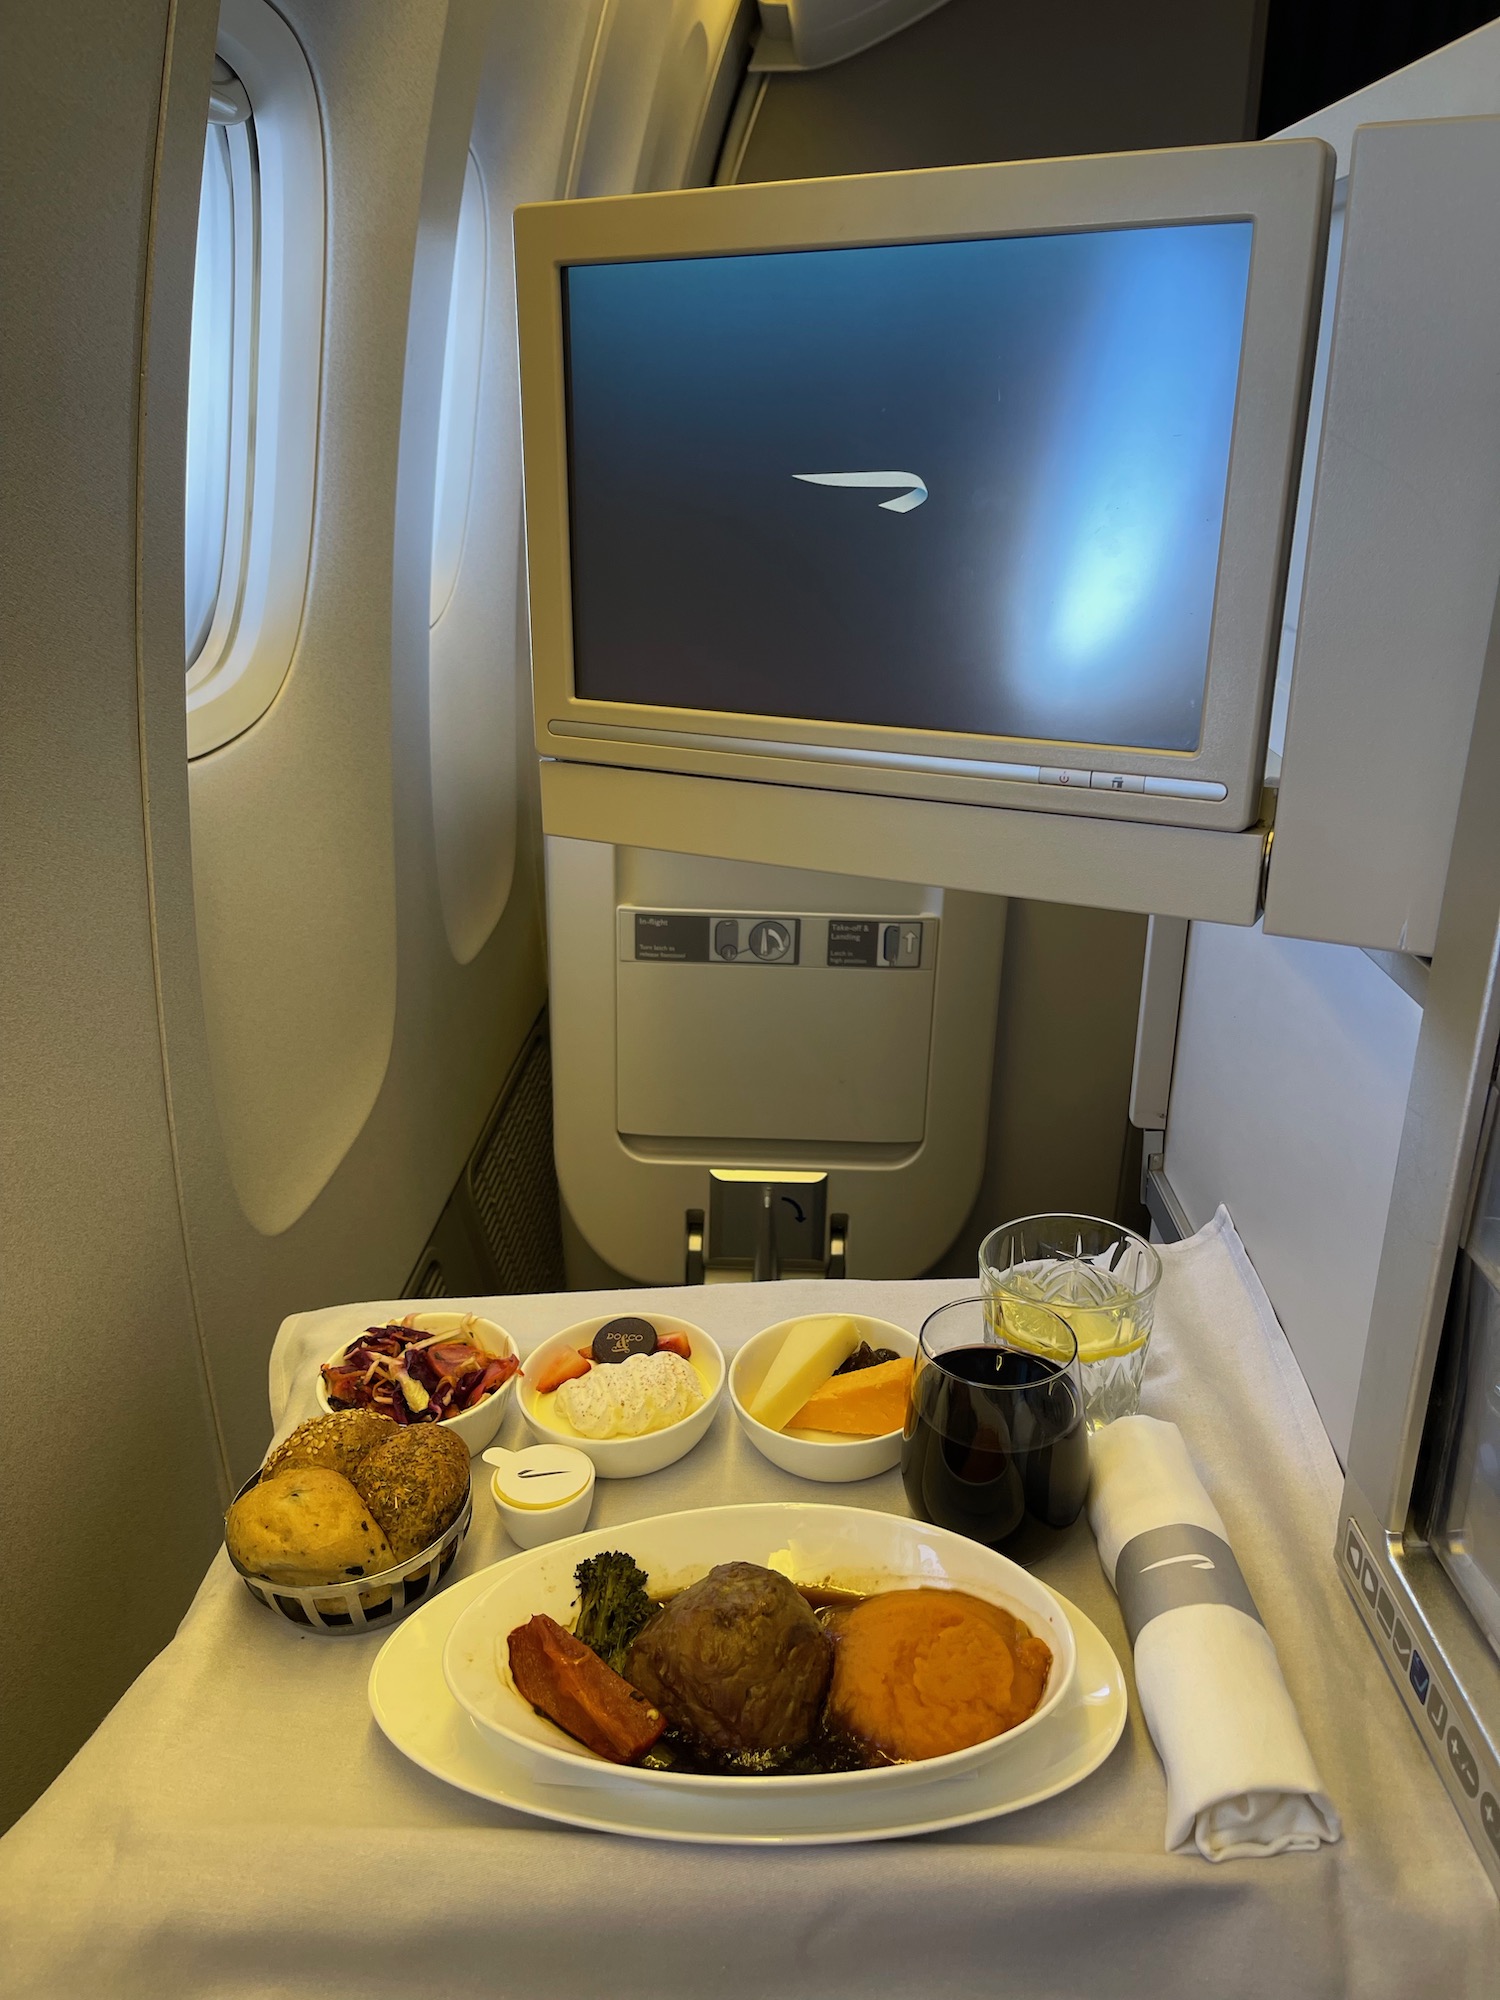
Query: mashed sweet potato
[917, 1673]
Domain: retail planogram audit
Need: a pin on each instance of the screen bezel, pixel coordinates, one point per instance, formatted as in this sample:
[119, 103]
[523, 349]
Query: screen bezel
[1282, 187]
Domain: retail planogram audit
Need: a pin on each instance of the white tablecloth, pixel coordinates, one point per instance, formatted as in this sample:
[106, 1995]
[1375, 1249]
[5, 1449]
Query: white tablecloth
[239, 1827]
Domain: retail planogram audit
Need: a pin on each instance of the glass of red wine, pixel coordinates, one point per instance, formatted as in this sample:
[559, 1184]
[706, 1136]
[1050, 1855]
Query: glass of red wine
[995, 1445]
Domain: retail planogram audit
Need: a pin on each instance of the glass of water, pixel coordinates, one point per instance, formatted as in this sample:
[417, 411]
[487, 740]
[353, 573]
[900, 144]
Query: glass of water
[1098, 1277]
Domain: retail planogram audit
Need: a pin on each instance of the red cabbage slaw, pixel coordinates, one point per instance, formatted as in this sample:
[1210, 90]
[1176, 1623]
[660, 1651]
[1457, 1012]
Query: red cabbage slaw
[415, 1377]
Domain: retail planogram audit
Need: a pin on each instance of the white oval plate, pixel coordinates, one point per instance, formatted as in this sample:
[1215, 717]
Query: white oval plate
[413, 1708]
[856, 1548]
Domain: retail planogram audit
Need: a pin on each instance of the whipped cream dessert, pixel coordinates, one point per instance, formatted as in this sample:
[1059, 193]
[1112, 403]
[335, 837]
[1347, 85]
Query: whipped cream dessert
[628, 1398]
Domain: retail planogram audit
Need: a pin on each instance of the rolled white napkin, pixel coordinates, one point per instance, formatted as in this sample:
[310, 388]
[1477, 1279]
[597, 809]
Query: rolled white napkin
[1241, 1780]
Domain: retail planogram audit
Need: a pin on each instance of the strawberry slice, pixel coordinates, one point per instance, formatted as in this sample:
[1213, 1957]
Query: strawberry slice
[564, 1367]
[674, 1343]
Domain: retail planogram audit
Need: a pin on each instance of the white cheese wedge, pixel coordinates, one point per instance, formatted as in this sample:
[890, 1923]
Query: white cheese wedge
[811, 1352]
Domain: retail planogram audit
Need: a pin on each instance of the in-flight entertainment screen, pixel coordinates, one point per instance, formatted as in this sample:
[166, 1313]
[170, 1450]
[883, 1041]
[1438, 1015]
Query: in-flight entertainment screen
[974, 486]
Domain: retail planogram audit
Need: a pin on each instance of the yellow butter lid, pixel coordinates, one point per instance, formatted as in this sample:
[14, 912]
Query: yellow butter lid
[542, 1476]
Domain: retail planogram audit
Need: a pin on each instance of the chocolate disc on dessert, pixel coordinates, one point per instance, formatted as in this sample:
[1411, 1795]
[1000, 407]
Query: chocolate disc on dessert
[623, 1337]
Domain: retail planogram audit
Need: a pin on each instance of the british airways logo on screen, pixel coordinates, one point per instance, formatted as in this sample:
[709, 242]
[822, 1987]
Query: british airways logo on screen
[909, 489]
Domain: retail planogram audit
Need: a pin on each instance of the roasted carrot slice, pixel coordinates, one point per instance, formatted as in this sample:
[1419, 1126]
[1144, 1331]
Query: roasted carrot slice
[572, 1686]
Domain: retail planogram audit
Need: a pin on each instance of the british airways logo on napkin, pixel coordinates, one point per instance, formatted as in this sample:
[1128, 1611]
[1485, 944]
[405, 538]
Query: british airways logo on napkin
[1166, 1568]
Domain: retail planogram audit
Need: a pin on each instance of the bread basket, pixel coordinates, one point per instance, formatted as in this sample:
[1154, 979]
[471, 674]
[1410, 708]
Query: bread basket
[373, 1603]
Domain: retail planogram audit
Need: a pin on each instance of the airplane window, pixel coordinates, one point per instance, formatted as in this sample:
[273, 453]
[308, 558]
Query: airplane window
[217, 419]
[460, 399]
[254, 362]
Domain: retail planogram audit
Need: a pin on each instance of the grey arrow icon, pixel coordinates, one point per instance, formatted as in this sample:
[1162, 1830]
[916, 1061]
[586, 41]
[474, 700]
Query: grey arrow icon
[910, 490]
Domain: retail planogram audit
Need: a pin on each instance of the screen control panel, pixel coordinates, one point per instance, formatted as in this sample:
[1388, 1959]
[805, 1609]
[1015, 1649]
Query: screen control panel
[775, 937]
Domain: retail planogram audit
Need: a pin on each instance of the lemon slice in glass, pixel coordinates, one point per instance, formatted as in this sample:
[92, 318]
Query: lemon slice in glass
[1102, 1332]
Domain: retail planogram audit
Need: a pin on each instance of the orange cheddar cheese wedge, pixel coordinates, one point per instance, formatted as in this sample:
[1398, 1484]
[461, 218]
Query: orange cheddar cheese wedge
[868, 1403]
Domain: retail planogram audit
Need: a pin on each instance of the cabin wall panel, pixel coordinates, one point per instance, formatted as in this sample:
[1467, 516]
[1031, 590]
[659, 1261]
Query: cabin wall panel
[1288, 1093]
[108, 1466]
[293, 843]
[107, 1524]
[1294, 1059]
[476, 652]
[398, 92]
[1060, 1087]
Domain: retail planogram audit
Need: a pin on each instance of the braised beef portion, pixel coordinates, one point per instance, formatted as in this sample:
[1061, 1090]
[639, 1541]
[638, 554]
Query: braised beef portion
[737, 1661]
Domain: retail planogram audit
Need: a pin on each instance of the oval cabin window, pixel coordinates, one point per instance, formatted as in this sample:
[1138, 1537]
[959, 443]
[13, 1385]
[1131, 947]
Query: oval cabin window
[253, 369]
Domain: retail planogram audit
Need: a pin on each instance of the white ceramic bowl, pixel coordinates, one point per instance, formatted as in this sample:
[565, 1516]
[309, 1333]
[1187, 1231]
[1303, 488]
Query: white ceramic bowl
[529, 1527]
[854, 1547]
[477, 1427]
[814, 1454]
[629, 1457]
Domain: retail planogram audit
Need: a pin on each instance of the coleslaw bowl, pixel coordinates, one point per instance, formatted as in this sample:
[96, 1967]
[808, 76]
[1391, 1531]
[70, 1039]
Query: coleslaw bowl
[477, 1427]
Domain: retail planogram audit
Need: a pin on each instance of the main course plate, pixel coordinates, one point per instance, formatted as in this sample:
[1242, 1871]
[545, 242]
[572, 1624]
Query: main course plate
[852, 1548]
[412, 1706]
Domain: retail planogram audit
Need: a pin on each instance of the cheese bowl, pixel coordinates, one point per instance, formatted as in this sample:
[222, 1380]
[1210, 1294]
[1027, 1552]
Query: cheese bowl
[819, 1455]
[847, 1548]
[624, 1457]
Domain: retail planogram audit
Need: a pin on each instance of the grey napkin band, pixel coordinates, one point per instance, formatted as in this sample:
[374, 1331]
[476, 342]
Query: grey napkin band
[1166, 1568]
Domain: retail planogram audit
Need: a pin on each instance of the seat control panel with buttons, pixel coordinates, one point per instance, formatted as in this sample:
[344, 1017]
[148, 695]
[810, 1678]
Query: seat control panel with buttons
[1453, 1735]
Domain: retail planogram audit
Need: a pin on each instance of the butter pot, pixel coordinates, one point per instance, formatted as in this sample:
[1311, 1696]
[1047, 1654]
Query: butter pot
[541, 1494]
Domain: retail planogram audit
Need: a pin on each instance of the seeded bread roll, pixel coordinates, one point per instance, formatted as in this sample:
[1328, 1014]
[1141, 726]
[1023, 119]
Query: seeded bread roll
[337, 1441]
[415, 1484]
[306, 1526]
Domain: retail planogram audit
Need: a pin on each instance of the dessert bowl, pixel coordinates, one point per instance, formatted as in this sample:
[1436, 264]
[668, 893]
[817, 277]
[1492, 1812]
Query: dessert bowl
[624, 1457]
